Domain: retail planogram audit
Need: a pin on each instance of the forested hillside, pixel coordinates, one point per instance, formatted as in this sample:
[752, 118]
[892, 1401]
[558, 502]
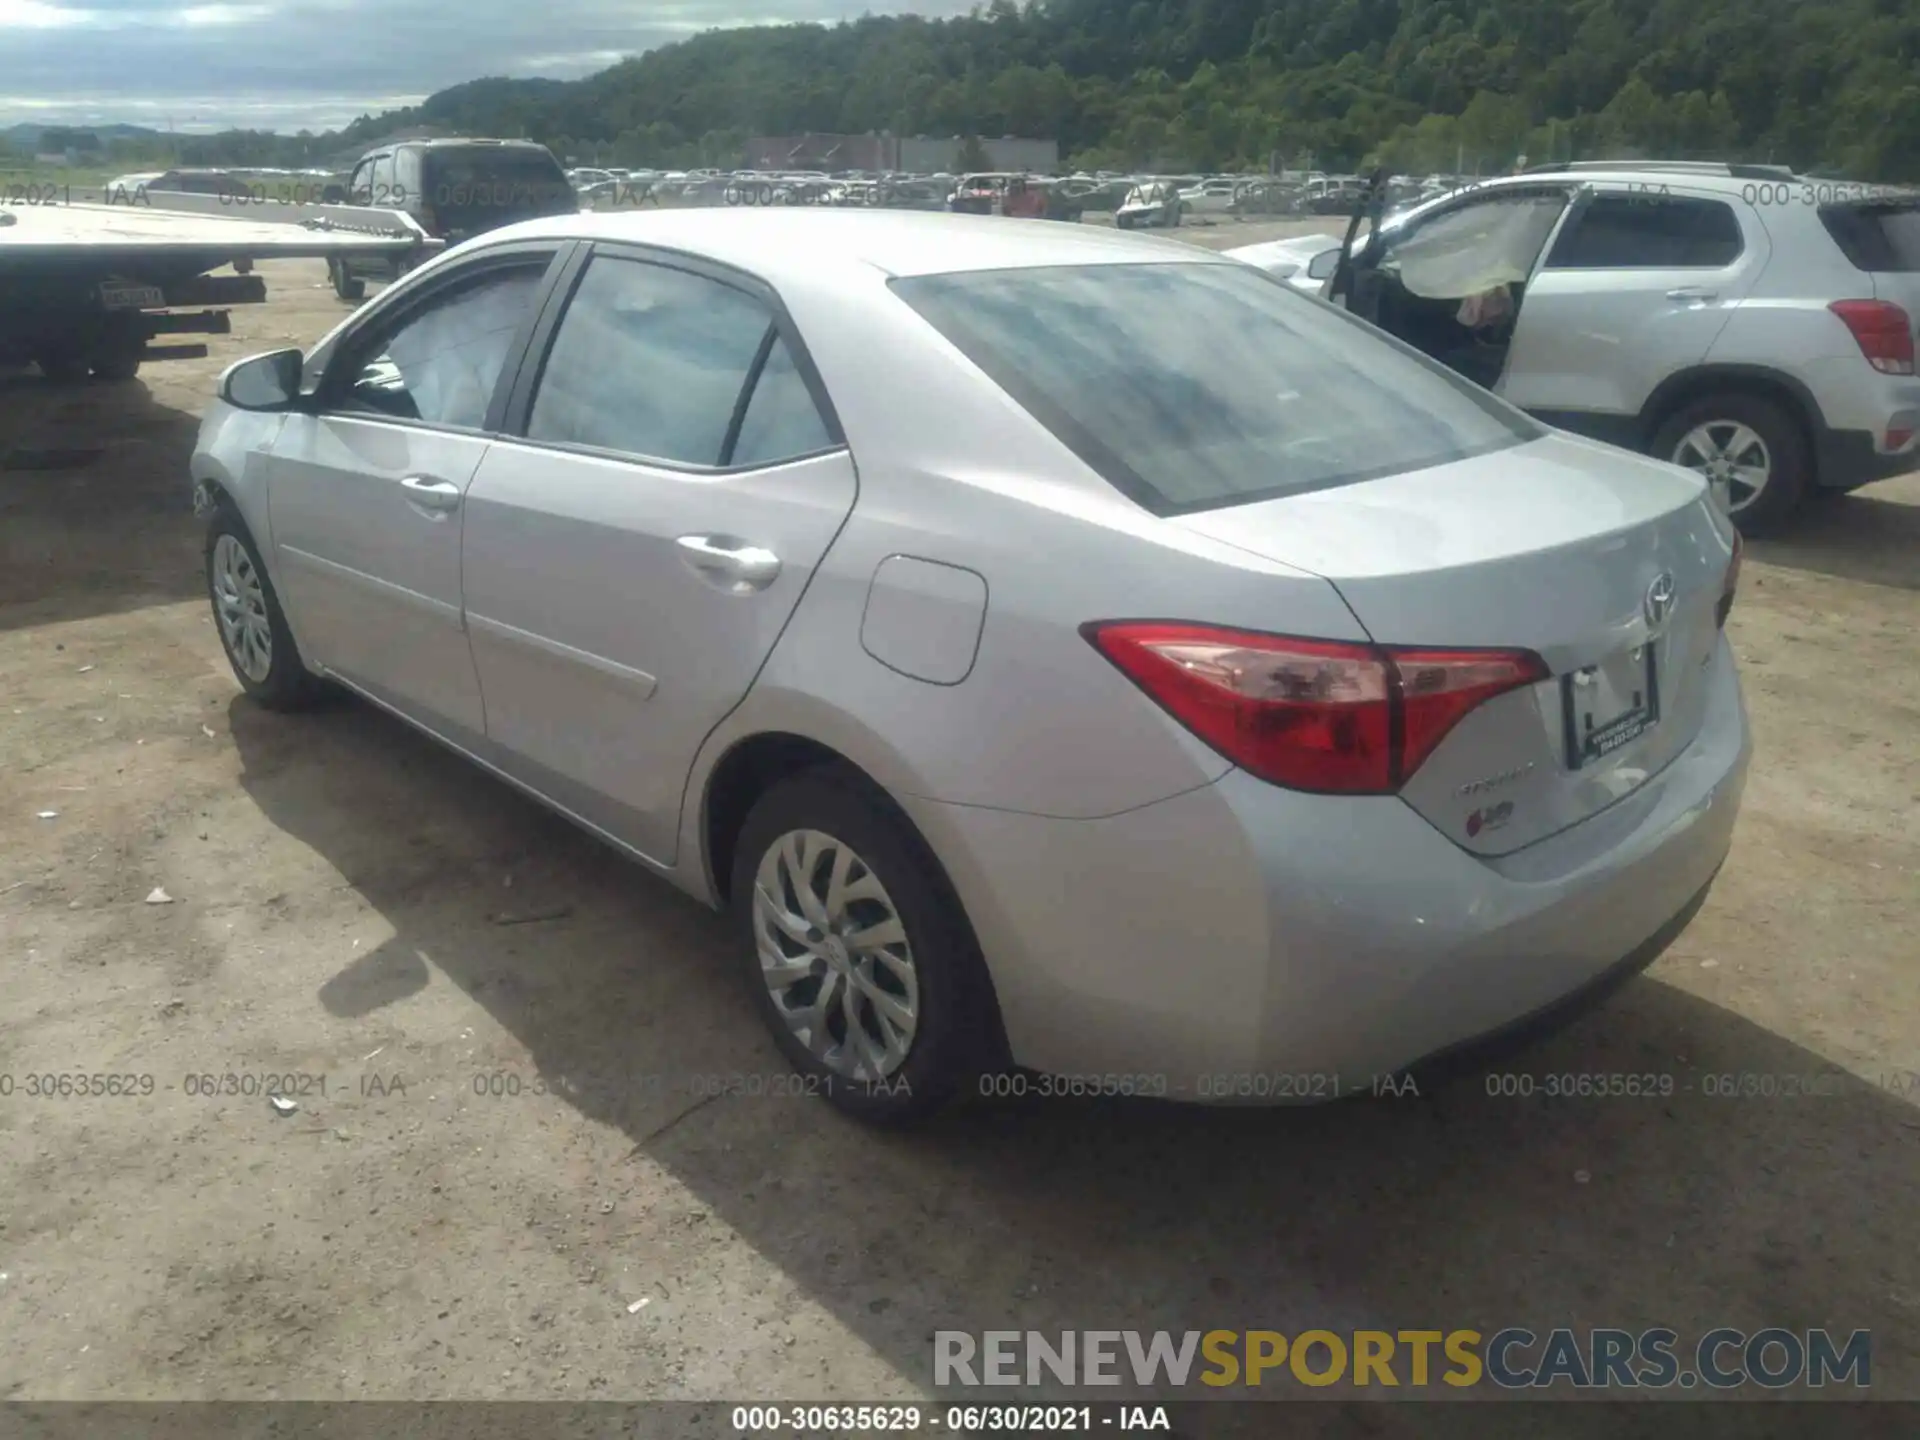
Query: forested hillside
[1829, 84]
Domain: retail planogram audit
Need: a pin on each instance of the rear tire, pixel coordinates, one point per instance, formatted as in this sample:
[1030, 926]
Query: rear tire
[801, 834]
[345, 285]
[1751, 438]
[118, 355]
[247, 614]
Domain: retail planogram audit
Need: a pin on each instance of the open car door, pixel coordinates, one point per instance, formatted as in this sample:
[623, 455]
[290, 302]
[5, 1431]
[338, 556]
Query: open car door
[1451, 282]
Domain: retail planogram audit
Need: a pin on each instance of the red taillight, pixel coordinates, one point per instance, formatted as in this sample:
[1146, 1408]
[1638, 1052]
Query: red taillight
[1724, 607]
[1883, 331]
[1327, 716]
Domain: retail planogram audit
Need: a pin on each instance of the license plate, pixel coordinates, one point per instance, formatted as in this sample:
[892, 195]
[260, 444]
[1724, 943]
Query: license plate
[1610, 705]
[123, 295]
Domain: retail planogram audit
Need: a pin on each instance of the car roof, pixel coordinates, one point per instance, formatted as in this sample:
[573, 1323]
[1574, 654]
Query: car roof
[772, 243]
[1627, 173]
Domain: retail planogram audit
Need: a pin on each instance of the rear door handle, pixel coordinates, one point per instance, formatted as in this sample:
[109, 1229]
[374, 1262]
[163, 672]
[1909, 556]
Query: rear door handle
[1695, 293]
[433, 498]
[733, 564]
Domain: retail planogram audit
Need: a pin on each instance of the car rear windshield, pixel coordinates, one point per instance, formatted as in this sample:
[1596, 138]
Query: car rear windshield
[483, 178]
[1881, 237]
[1191, 386]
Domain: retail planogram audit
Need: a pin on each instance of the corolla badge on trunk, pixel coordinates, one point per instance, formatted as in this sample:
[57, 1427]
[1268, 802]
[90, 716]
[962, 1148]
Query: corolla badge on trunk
[1660, 596]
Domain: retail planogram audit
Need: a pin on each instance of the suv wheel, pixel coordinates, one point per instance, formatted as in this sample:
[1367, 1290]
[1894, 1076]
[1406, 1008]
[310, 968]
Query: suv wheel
[1750, 449]
[62, 364]
[859, 957]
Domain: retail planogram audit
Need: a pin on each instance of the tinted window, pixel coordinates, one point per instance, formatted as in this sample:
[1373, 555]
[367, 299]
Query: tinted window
[484, 186]
[1884, 239]
[441, 363]
[781, 422]
[1193, 385]
[649, 361]
[1635, 232]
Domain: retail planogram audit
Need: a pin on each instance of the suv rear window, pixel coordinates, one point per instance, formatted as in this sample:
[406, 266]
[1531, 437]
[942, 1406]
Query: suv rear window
[518, 179]
[1189, 386]
[1883, 238]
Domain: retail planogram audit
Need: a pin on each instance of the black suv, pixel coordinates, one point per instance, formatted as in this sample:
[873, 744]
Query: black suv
[456, 189]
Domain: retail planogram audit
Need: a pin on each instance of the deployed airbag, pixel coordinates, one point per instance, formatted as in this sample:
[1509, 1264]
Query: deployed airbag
[1477, 249]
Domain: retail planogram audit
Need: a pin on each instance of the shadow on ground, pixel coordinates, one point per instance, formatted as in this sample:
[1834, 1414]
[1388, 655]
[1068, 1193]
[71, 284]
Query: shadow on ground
[96, 513]
[1453, 1209]
[1864, 536]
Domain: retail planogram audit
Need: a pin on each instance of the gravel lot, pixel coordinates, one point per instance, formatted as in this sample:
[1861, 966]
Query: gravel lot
[338, 891]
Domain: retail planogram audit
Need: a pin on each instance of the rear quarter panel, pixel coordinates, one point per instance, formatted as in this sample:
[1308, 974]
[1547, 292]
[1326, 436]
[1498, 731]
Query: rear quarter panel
[952, 471]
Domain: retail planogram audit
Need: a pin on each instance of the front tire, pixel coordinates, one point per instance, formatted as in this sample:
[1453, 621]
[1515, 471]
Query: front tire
[63, 364]
[1749, 448]
[247, 614]
[860, 958]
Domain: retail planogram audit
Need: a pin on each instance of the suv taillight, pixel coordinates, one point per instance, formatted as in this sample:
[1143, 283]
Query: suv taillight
[1882, 330]
[1327, 716]
[1724, 606]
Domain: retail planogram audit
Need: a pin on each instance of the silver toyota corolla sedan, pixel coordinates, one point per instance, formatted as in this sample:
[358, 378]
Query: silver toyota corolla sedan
[1057, 649]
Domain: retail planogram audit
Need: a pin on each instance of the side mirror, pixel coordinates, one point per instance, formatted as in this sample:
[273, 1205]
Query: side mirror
[1323, 265]
[265, 382]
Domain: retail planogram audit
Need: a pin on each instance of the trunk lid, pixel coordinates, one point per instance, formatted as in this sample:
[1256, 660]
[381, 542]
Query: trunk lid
[1606, 565]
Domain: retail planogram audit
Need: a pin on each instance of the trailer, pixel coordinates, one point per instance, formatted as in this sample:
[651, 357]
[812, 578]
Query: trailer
[94, 290]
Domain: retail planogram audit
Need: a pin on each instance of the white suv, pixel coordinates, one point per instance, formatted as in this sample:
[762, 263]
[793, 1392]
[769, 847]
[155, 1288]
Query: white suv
[1747, 323]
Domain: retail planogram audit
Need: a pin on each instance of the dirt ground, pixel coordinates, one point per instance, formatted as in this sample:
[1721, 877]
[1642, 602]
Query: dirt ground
[496, 1174]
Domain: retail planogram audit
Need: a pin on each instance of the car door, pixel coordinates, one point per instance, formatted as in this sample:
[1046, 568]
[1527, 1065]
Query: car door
[365, 486]
[631, 558]
[1636, 287]
[1414, 281]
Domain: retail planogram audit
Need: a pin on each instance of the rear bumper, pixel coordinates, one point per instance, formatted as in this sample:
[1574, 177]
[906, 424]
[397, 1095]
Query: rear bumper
[1314, 943]
[1848, 459]
[1852, 406]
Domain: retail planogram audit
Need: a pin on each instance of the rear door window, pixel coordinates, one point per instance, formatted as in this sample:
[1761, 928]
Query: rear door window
[781, 421]
[1649, 232]
[649, 362]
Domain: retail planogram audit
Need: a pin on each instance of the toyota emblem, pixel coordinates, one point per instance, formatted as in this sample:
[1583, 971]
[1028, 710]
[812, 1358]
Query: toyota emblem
[1660, 599]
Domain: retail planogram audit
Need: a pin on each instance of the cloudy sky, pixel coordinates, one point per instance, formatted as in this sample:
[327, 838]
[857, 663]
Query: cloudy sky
[316, 64]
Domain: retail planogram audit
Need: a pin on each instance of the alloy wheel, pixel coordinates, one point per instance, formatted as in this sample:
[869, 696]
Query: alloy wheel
[834, 955]
[240, 602]
[1732, 457]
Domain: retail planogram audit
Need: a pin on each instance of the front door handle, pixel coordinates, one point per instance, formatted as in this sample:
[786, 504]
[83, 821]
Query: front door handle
[1696, 294]
[733, 564]
[432, 497]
